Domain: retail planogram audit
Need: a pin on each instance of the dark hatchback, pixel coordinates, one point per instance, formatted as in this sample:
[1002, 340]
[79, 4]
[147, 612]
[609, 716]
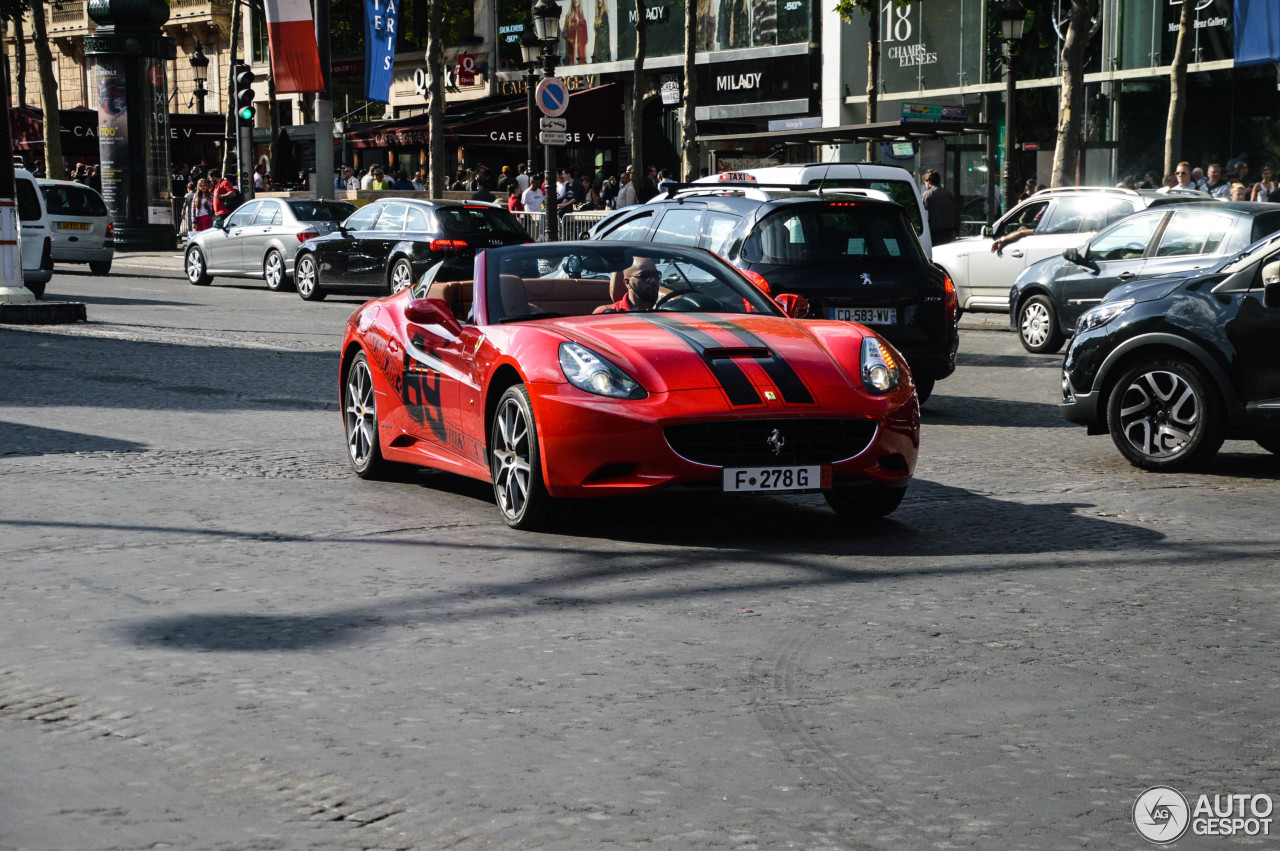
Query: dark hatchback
[388, 244]
[1172, 366]
[1048, 298]
[851, 254]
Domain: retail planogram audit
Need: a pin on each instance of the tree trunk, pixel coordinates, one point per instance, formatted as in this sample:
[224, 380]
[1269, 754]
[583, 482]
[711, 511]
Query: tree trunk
[20, 59]
[637, 99]
[231, 140]
[1177, 89]
[436, 176]
[53, 165]
[689, 126]
[1071, 102]
[873, 71]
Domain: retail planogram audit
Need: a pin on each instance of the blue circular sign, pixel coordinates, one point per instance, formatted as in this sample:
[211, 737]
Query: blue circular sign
[552, 96]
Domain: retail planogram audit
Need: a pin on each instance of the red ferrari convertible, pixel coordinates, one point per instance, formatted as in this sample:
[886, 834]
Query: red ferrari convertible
[585, 369]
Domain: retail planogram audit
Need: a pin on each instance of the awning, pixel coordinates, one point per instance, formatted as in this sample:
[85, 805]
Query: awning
[594, 119]
[881, 131]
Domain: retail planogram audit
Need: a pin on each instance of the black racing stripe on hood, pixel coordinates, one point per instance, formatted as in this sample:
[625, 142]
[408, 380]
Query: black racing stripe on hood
[781, 373]
[737, 386]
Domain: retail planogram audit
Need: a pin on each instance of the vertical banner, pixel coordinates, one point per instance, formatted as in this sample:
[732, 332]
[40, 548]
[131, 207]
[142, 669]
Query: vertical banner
[380, 27]
[1257, 31]
[155, 132]
[295, 57]
[113, 133]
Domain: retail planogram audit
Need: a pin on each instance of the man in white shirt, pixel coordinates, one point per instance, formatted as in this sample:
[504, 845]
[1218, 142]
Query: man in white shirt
[1182, 174]
[522, 177]
[260, 177]
[627, 192]
[366, 182]
[532, 197]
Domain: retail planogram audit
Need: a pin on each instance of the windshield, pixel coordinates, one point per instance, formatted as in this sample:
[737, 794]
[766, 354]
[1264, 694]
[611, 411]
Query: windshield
[833, 232]
[321, 211]
[1251, 254]
[478, 219]
[580, 279]
[73, 201]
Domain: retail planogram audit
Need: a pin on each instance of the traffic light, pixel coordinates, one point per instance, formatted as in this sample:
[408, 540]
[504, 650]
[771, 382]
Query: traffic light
[244, 94]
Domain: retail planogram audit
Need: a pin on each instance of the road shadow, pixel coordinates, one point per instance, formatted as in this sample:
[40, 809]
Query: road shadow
[978, 360]
[943, 409]
[17, 440]
[687, 545]
[57, 370]
[116, 300]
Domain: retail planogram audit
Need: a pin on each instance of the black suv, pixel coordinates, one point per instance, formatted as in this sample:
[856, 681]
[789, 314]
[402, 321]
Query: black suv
[851, 253]
[1173, 366]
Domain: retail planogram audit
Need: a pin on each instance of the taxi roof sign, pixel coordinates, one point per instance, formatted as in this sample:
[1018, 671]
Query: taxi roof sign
[738, 176]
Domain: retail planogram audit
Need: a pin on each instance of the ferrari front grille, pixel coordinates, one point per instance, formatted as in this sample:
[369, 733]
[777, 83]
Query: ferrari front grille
[771, 442]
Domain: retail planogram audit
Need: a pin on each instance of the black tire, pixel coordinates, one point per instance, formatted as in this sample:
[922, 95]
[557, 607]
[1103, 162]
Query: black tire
[1038, 326]
[865, 502]
[273, 272]
[1269, 442]
[197, 268]
[361, 426]
[1165, 416]
[400, 277]
[306, 278]
[37, 290]
[515, 462]
[924, 387]
[100, 267]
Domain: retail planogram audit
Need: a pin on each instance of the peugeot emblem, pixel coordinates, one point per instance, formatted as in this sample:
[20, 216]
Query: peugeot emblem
[776, 441]
[866, 280]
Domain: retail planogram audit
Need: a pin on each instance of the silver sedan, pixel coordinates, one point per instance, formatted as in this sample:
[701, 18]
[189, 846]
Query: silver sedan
[261, 240]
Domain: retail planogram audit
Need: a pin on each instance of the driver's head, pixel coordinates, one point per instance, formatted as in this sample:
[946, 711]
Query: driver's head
[642, 278]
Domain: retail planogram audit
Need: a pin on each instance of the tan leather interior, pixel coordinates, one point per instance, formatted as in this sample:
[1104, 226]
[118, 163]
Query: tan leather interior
[457, 294]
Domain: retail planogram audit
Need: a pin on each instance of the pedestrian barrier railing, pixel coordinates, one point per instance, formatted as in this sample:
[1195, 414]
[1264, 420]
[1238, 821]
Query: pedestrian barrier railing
[573, 225]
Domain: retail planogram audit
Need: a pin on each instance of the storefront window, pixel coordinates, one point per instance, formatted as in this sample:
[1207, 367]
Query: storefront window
[932, 45]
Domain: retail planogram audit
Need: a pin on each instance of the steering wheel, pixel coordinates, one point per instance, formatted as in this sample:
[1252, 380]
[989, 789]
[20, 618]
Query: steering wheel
[688, 301]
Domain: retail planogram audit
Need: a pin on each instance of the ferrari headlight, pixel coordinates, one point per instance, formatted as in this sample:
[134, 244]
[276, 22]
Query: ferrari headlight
[587, 371]
[1102, 314]
[880, 372]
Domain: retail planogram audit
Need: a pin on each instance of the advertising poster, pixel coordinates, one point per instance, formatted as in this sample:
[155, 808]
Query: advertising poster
[381, 19]
[108, 78]
[155, 138]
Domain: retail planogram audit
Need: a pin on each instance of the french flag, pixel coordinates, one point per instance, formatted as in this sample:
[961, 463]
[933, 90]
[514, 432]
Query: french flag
[295, 59]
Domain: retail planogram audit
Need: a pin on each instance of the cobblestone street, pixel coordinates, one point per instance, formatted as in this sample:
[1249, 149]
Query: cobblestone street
[214, 636]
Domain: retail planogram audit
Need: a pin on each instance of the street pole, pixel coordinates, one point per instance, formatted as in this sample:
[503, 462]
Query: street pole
[530, 78]
[551, 198]
[324, 106]
[1010, 191]
[990, 200]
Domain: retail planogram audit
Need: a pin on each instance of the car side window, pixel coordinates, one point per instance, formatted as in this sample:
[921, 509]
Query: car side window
[269, 214]
[679, 227]
[392, 218]
[717, 230]
[1191, 233]
[244, 215]
[1072, 215]
[632, 229]
[416, 221]
[1127, 240]
[28, 201]
[364, 218]
[1027, 216]
[1113, 212]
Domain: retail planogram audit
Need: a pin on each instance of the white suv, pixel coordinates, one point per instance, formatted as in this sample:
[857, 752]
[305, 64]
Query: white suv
[892, 180]
[1058, 219]
[37, 246]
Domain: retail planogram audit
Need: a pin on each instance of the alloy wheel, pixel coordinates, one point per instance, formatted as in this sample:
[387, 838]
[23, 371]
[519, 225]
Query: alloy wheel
[273, 270]
[511, 469]
[401, 276]
[360, 414]
[1160, 414]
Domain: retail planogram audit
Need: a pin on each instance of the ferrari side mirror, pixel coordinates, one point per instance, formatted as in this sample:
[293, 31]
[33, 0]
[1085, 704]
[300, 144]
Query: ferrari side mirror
[433, 311]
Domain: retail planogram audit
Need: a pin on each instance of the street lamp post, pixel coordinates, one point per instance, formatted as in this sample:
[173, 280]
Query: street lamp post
[200, 64]
[1012, 20]
[546, 25]
[530, 51]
